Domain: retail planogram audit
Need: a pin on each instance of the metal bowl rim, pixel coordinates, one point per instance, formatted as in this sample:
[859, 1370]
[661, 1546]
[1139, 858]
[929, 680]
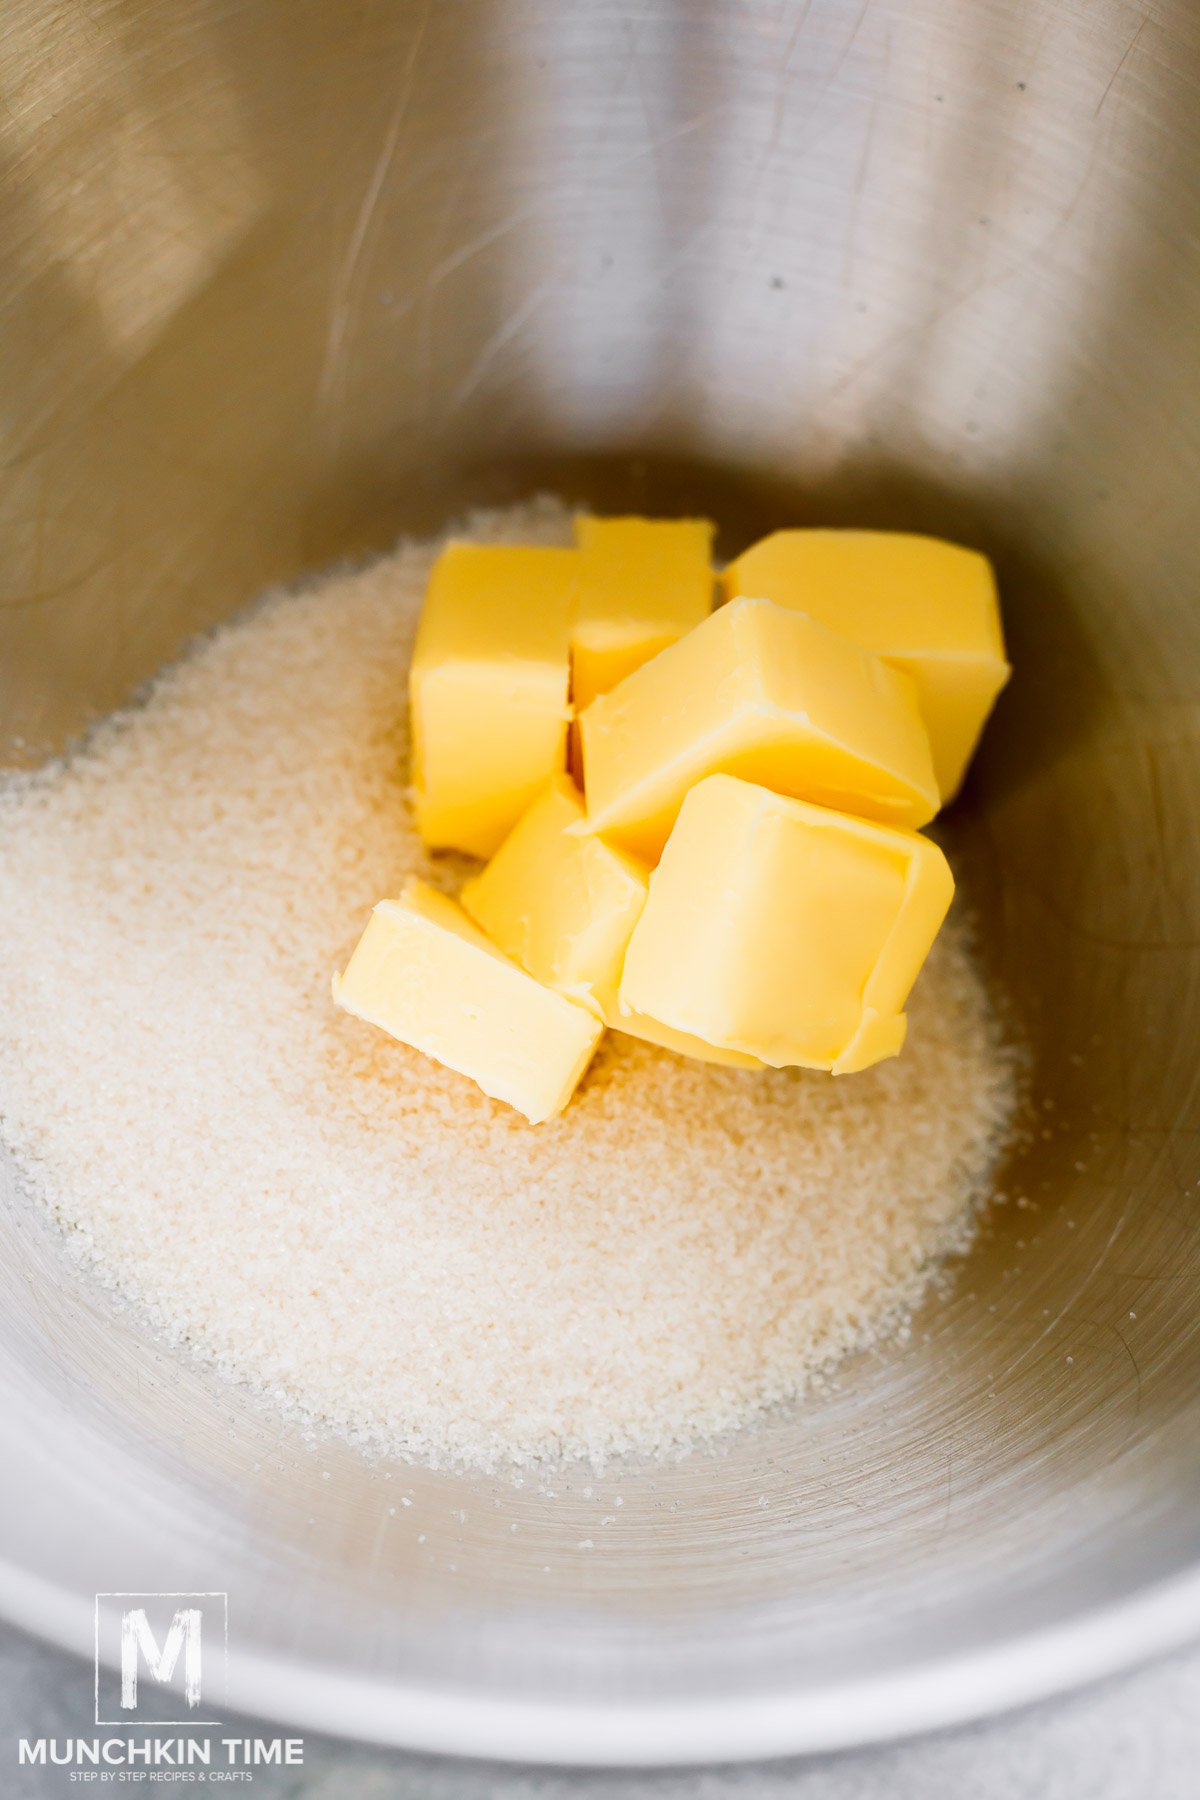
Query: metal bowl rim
[935, 1694]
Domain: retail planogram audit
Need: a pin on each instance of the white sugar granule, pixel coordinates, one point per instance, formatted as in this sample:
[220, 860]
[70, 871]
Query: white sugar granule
[356, 1231]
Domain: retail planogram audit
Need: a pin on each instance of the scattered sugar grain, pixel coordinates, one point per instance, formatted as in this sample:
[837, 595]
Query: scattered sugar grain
[330, 1217]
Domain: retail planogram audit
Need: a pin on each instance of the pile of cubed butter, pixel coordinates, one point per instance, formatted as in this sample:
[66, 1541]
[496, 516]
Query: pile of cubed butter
[699, 826]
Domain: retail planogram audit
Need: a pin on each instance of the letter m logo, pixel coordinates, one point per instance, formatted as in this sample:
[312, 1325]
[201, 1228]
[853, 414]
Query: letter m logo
[154, 1651]
[137, 1641]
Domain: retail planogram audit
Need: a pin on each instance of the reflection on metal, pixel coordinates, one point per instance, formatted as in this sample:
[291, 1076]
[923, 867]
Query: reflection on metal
[280, 281]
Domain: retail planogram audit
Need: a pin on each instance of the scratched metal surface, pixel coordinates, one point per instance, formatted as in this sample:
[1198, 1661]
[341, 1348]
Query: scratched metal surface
[281, 280]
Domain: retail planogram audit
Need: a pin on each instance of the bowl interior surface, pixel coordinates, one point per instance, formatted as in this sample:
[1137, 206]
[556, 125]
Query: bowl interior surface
[281, 283]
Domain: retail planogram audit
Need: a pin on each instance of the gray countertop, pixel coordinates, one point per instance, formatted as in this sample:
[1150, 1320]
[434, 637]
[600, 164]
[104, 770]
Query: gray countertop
[1136, 1736]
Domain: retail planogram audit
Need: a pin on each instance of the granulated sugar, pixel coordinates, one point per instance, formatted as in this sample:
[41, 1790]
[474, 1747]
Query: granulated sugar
[347, 1226]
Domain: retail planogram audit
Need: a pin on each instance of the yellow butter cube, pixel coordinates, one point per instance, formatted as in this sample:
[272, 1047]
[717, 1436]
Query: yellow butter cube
[488, 689]
[561, 906]
[785, 931]
[762, 692]
[928, 607]
[684, 1043]
[425, 974]
[564, 907]
[642, 584]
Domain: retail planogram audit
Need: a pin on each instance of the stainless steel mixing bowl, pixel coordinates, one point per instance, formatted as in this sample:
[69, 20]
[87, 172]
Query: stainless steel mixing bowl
[281, 279]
